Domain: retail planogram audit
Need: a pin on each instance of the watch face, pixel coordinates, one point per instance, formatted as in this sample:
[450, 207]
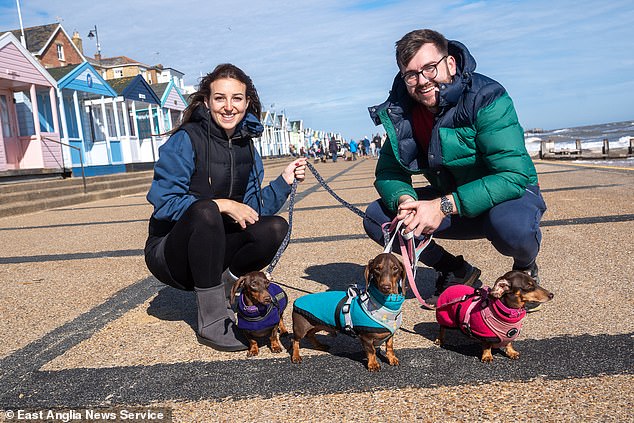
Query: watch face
[445, 206]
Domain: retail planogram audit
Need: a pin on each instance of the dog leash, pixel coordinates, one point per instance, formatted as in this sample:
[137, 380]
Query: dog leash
[409, 252]
[291, 207]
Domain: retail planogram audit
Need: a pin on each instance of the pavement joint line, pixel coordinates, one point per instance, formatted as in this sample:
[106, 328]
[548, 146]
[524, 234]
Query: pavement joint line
[306, 240]
[70, 225]
[586, 356]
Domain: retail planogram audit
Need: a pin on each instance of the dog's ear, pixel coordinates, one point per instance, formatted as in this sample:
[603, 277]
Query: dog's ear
[367, 273]
[501, 287]
[403, 276]
[237, 285]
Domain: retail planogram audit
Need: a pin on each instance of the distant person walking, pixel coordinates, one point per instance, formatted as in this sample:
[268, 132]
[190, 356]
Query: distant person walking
[460, 130]
[354, 147]
[211, 214]
[334, 149]
[366, 146]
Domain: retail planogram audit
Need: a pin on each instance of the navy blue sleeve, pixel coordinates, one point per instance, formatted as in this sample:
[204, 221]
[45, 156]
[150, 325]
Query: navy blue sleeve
[172, 176]
[268, 200]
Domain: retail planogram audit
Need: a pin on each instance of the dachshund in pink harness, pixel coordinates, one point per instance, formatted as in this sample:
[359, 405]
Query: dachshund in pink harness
[494, 317]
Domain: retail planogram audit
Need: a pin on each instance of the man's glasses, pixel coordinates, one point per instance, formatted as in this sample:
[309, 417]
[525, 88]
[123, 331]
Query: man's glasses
[429, 72]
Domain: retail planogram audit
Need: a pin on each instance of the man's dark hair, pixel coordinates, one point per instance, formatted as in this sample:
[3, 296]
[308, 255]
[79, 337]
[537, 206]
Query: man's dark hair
[408, 46]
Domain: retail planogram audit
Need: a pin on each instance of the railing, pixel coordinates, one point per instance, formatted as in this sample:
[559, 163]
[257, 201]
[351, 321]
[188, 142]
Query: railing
[81, 160]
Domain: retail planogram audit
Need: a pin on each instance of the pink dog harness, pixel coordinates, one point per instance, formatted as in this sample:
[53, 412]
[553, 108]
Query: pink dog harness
[479, 316]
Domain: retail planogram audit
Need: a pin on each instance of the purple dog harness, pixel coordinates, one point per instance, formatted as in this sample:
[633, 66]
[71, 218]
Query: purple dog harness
[479, 316]
[262, 316]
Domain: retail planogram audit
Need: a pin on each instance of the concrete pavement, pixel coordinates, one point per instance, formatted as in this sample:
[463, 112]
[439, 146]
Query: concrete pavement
[85, 325]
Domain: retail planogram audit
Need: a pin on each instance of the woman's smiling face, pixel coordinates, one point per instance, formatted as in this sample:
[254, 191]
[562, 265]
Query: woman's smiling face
[228, 103]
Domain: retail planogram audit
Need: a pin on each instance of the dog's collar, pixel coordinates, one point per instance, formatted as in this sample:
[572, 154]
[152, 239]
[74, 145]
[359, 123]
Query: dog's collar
[391, 301]
[504, 311]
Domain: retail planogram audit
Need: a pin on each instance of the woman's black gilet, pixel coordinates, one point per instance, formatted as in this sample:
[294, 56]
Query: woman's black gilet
[222, 165]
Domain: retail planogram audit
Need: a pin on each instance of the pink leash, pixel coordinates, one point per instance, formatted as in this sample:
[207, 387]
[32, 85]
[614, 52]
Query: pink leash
[409, 253]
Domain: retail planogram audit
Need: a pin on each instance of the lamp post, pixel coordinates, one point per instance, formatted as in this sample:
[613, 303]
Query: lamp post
[94, 34]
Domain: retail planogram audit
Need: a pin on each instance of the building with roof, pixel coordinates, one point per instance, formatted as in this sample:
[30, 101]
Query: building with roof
[91, 132]
[140, 104]
[30, 137]
[172, 105]
[51, 45]
[124, 66]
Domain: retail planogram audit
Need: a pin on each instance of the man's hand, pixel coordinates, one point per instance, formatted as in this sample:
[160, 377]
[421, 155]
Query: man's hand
[239, 212]
[420, 217]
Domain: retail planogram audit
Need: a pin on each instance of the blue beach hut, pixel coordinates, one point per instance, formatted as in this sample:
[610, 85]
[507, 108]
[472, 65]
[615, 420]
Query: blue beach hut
[137, 97]
[92, 130]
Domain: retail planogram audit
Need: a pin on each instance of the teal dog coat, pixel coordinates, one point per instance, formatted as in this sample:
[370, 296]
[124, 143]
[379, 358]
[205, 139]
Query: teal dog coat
[353, 311]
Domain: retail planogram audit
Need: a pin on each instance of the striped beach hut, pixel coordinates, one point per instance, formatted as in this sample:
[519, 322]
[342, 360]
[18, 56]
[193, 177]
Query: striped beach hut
[30, 136]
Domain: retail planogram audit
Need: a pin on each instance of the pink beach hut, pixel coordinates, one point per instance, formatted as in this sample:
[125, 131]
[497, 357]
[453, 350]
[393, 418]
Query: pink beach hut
[28, 111]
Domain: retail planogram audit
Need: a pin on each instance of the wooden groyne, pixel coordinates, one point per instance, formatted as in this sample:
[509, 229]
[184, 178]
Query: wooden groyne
[549, 150]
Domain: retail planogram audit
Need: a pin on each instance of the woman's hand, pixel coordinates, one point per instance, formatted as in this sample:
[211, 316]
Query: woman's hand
[295, 170]
[239, 212]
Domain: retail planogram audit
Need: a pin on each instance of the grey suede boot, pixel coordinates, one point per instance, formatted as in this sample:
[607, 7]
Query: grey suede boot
[215, 328]
[227, 280]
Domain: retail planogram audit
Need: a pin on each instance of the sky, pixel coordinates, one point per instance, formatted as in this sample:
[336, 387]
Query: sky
[564, 63]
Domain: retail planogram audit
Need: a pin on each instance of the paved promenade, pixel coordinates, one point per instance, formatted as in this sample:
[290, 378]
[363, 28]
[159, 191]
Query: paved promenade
[84, 325]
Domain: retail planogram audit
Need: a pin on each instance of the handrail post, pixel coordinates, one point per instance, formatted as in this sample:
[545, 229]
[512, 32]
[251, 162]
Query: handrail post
[81, 159]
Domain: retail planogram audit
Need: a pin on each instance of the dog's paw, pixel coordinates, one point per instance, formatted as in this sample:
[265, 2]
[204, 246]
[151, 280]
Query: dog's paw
[276, 348]
[513, 355]
[393, 361]
[438, 342]
[296, 359]
[487, 358]
[374, 367]
[252, 353]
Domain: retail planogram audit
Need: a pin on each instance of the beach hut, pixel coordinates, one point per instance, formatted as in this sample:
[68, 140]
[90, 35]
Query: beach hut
[30, 136]
[264, 144]
[172, 105]
[92, 133]
[138, 103]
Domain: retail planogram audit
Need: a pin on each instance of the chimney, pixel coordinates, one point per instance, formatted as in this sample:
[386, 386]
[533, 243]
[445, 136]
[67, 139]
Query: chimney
[77, 41]
[98, 57]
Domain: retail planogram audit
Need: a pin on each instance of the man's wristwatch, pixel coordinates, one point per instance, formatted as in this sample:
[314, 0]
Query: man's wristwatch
[445, 206]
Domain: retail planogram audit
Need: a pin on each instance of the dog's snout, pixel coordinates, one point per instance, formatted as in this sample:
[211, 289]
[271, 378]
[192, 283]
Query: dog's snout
[550, 296]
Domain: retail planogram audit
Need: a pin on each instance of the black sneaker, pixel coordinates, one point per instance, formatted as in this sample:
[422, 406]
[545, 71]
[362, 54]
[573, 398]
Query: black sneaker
[466, 274]
[533, 272]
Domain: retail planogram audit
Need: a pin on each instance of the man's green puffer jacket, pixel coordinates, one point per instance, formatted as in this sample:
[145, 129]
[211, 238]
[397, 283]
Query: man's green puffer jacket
[476, 151]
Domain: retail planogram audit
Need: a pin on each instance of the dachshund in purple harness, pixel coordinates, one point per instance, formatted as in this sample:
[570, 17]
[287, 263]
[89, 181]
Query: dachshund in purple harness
[261, 304]
[494, 317]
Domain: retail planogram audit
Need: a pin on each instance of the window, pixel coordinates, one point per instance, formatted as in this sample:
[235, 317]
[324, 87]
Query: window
[6, 123]
[60, 52]
[118, 72]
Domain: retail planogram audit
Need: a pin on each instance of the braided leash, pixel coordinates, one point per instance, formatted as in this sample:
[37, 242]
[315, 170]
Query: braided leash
[354, 209]
[291, 207]
[287, 238]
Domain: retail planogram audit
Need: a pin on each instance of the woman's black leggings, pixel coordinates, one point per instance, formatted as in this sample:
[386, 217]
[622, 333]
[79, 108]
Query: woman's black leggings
[204, 242]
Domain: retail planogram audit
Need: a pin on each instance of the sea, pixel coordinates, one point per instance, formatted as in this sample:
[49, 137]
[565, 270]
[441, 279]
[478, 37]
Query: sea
[591, 136]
